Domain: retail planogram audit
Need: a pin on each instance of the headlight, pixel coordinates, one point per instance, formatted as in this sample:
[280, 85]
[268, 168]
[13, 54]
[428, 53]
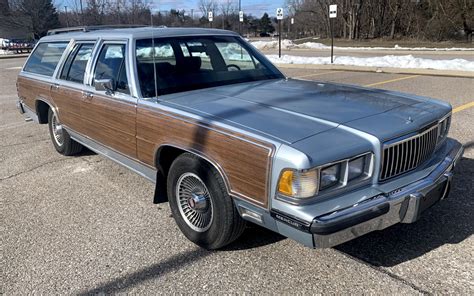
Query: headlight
[443, 128]
[299, 184]
[303, 184]
[330, 176]
[356, 168]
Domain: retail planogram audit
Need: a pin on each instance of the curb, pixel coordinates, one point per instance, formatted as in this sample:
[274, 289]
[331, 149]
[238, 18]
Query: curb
[427, 72]
[14, 56]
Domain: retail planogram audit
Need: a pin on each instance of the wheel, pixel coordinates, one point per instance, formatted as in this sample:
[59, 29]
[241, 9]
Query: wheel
[230, 66]
[200, 204]
[60, 137]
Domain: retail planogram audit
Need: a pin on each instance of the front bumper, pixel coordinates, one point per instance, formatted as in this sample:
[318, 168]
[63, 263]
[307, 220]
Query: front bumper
[403, 205]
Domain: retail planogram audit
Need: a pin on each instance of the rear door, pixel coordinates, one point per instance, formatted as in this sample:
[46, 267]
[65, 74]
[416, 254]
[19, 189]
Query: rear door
[67, 91]
[109, 117]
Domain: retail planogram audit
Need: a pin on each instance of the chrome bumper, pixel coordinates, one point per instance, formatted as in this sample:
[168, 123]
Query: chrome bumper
[403, 205]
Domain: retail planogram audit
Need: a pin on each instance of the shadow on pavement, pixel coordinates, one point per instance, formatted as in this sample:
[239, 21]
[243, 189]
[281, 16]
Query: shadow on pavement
[253, 237]
[448, 222]
[154, 271]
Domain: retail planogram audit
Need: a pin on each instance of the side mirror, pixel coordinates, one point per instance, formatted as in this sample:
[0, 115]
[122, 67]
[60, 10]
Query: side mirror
[106, 85]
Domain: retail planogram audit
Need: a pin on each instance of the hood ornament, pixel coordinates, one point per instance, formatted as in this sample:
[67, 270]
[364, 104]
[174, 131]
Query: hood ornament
[409, 120]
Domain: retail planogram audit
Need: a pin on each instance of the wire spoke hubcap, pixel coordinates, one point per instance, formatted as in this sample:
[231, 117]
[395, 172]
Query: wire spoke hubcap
[194, 202]
[57, 130]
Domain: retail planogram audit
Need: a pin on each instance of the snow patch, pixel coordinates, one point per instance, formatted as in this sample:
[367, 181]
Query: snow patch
[405, 61]
[288, 44]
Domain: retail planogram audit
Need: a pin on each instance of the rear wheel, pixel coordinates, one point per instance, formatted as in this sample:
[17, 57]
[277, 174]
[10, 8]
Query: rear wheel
[200, 205]
[60, 137]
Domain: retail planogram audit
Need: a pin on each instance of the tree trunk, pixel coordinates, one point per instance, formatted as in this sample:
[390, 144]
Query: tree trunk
[394, 21]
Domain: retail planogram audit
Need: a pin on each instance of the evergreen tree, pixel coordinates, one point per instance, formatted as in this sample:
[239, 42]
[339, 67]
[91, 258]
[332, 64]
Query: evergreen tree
[266, 24]
[42, 14]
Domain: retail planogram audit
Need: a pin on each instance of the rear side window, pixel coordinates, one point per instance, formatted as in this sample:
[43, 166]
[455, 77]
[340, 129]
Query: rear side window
[45, 58]
[111, 65]
[76, 62]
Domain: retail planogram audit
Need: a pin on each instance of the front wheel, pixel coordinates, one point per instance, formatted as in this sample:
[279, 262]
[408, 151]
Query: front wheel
[60, 137]
[200, 204]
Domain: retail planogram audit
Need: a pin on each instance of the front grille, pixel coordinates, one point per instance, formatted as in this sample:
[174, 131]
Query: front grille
[407, 154]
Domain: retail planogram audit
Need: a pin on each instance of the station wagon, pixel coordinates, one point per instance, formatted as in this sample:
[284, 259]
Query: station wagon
[228, 139]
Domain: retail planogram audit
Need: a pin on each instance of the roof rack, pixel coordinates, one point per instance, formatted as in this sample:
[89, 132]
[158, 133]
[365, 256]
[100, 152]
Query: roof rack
[91, 28]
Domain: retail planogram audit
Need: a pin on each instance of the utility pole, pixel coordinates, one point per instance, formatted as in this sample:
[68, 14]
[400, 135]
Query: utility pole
[67, 20]
[332, 15]
[279, 14]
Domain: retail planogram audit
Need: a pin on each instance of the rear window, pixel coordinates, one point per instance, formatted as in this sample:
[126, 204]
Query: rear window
[45, 58]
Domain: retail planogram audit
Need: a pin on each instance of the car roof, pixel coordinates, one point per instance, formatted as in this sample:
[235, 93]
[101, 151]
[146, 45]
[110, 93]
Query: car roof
[137, 33]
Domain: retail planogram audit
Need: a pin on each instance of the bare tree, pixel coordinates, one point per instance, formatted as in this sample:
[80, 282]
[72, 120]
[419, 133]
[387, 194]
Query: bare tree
[228, 9]
[207, 5]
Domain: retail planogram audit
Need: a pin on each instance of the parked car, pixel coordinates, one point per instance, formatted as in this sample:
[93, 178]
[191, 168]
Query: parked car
[227, 138]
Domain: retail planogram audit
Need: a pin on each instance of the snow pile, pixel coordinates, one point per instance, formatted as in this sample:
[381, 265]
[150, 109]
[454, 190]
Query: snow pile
[313, 45]
[266, 45]
[288, 44]
[406, 61]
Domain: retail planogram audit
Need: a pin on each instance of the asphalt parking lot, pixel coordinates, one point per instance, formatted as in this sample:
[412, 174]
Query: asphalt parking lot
[82, 225]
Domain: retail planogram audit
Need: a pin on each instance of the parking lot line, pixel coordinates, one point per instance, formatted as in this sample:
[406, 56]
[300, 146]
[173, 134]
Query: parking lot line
[317, 74]
[391, 80]
[463, 107]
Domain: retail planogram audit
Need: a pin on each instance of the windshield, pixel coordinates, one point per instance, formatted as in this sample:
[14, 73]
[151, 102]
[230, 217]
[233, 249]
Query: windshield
[189, 63]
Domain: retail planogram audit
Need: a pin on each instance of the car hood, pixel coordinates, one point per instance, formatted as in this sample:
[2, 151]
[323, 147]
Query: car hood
[291, 110]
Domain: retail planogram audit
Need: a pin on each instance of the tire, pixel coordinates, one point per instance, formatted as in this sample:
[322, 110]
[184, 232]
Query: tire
[61, 139]
[188, 198]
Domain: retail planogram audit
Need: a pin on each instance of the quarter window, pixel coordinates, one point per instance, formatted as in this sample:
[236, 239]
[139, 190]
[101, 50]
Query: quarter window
[111, 65]
[75, 65]
[45, 58]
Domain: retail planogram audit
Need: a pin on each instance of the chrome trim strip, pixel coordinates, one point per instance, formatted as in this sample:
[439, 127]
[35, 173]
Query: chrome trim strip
[135, 166]
[409, 138]
[203, 156]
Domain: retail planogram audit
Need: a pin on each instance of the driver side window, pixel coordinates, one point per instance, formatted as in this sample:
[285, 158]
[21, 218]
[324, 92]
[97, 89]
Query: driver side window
[111, 65]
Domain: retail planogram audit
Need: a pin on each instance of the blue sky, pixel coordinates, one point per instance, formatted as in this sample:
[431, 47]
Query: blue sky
[254, 7]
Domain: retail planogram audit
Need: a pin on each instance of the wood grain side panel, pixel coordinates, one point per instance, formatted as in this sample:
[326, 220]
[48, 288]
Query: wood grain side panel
[30, 89]
[111, 122]
[68, 105]
[245, 162]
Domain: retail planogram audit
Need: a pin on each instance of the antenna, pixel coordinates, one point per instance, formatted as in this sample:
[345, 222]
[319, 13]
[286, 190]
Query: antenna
[153, 52]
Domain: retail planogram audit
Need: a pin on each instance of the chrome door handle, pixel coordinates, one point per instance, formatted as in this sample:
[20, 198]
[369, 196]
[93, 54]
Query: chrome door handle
[54, 86]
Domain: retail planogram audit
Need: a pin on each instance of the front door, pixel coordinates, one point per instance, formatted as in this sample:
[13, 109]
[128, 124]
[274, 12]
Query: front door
[109, 116]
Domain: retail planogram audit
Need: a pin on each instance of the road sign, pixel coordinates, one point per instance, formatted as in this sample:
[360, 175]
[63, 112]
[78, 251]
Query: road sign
[210, 16]
[279, 13]
[241, 16]
[333, 11]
